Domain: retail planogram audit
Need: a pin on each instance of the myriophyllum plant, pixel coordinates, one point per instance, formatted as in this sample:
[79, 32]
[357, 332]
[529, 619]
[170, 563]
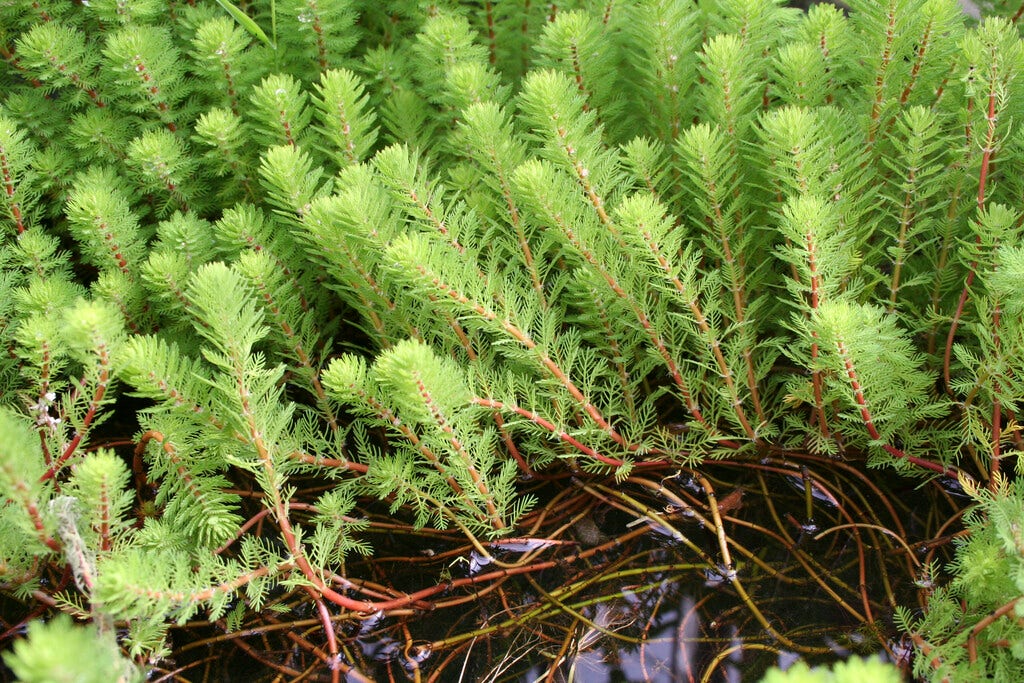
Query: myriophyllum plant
[320, 254]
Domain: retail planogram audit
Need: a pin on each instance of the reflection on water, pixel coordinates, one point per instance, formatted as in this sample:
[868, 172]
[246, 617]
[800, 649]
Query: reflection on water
[636, 589]
[648, 579]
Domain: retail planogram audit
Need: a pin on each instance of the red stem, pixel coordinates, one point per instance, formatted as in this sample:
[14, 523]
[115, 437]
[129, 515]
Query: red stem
[332, 639]
[986, 160]
[90, 415]
[972, 644]
[9, 189]
[869, 424]
[562, 435]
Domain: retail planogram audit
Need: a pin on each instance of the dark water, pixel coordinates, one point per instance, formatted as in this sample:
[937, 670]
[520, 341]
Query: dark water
[635, 589]
[656, 608]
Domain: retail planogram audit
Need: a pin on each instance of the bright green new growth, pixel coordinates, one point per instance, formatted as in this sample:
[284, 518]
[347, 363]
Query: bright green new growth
[853, 670]
[58, 651]
[420, 258]
[986, 593]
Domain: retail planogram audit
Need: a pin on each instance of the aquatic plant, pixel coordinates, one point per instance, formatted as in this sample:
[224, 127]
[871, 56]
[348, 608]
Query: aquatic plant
[286, 282]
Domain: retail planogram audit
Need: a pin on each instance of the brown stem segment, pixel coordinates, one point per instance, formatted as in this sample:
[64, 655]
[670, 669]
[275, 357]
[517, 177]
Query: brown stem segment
[90, 414]
[562, 435]
[986, 160]
[456, 443]
[869, 423]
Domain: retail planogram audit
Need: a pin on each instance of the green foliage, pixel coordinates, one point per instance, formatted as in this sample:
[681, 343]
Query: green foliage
[851, 671]
[969, 631]
[409, 389]
[347, 253]
[59, 652]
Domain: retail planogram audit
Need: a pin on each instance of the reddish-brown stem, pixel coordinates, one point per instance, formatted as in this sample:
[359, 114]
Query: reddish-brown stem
[185, 476]
[941, 265]
[274, 499]
[447, 291]
[816, 379]
[421, 595]
[826, 54]
[583, 178]
[997, 410]
[986, 160]
[154, 93]
[869, 424]
[513, 449]
[437, 222]
[205, 594]
[734, 268]
[356, 467]
[577, 71]
[334, 661]
[352, 260]
[22, 492]
[104, 524]
[298, 350]
[229, 79]
[709, 335]
[906, 217]
[524, 30]
[76, 79]
[926, 649]
[562, 435]
[9, 189]
[988, 620]
[251, 522]
[922, 47]
[286, 127]
[876, 105]
[989, 149]
[445, 426]
[385, 414]
[514, 218]
[268, 662]
[492, 40]
[556, 217]
[44, 420]
[321, 42]
[90, 413]
[621, 370]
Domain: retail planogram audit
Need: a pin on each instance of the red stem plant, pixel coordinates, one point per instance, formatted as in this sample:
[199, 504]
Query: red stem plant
[457, 344]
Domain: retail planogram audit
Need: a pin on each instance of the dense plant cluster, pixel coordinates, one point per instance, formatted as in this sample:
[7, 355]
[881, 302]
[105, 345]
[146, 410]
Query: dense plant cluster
[271, 271]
